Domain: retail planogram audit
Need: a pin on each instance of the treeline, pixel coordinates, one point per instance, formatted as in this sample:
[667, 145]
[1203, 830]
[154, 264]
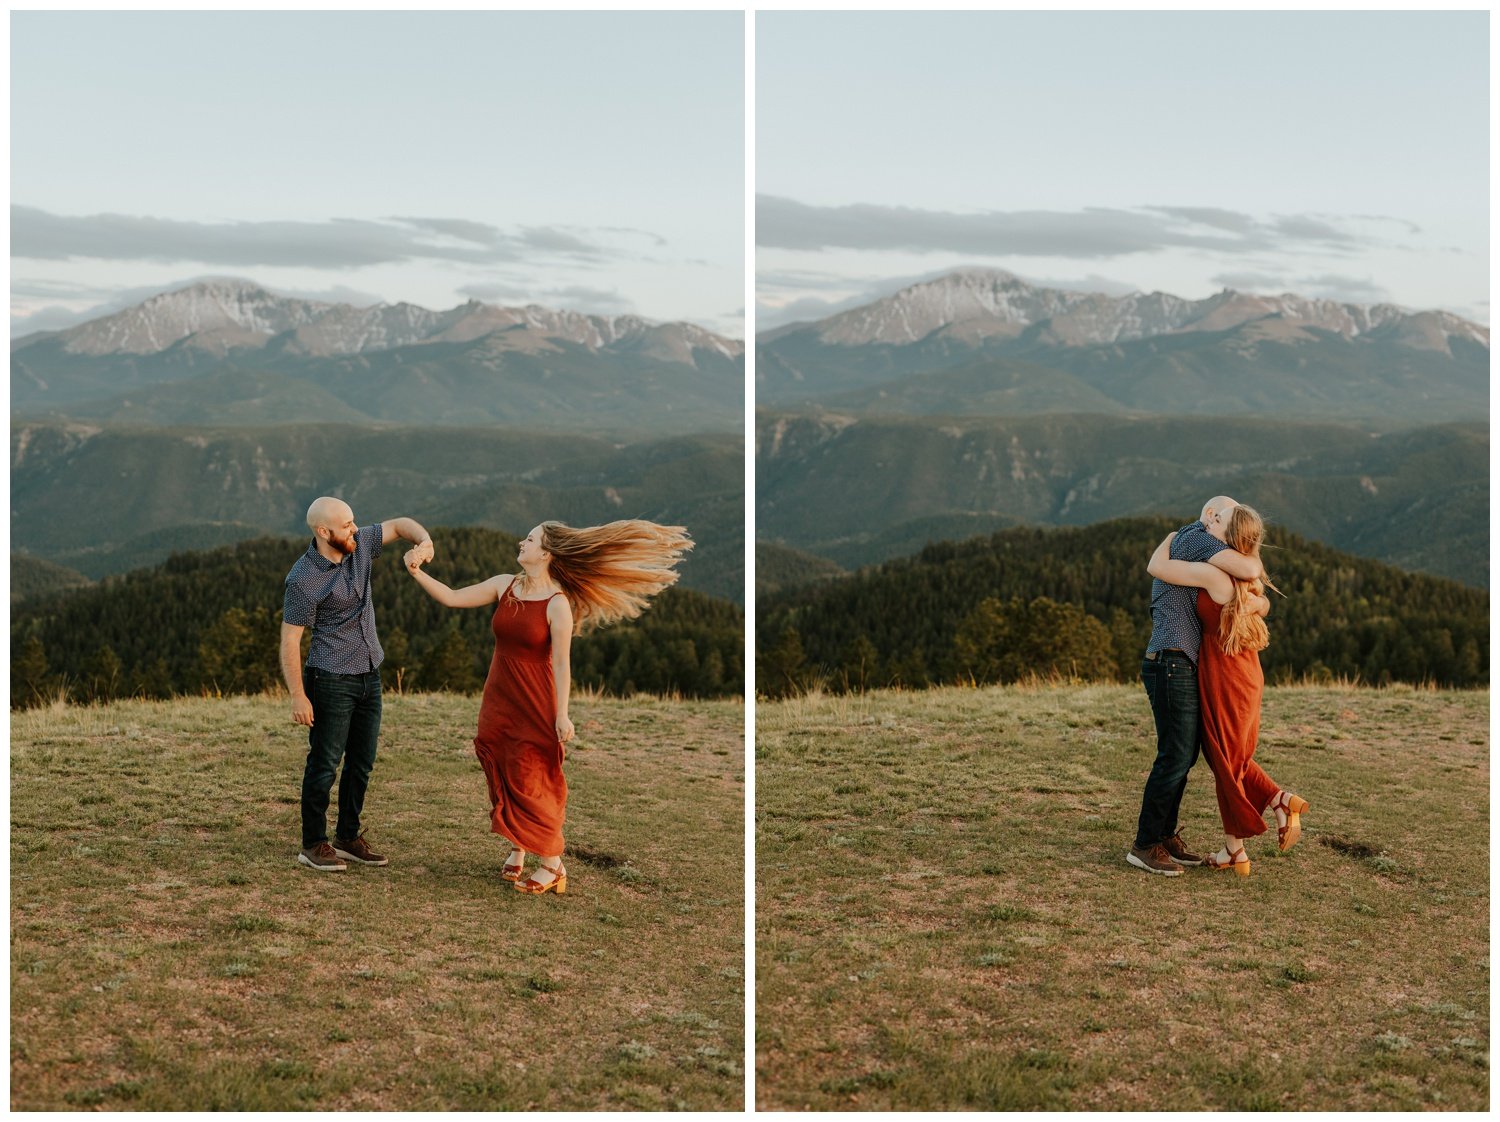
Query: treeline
[210, 622]
[1076, 603]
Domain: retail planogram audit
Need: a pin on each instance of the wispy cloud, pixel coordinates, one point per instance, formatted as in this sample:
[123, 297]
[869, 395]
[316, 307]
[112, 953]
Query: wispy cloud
[1353, 290]
[1252, 281]
[1090, 233]
[334, 243]
[577, 297]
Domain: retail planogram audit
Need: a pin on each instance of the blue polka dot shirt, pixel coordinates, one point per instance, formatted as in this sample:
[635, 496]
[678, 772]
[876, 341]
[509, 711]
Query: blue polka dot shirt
[1174, 615]
[334, 600]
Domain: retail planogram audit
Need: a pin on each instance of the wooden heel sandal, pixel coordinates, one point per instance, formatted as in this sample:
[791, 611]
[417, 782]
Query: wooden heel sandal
[1294, 807]
[558, 883]
[512, 871]
[1239, 861]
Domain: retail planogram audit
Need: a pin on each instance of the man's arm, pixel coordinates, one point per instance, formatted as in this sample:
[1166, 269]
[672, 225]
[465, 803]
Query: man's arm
[1197, 544]
[1237, 564]
[291, 670]
[408, 528]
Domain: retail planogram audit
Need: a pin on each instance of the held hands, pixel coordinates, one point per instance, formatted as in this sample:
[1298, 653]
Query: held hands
[564, 730]
[418, 555]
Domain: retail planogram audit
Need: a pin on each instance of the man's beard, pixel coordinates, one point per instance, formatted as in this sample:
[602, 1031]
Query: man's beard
[346, 545]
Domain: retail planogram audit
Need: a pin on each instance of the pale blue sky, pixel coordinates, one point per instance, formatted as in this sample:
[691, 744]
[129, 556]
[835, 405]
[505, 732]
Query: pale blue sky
[1331, 154]
[586, 160]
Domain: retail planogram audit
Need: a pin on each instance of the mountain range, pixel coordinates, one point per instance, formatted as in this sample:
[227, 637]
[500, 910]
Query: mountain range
[106, 499]
[984, 341]
[230, 351]
[859, 490]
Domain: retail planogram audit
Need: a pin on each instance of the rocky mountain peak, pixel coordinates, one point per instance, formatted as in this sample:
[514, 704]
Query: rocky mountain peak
[972, 304]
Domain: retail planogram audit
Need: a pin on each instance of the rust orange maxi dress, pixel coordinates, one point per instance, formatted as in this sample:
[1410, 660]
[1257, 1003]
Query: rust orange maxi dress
[1229, 689]
[517, 741]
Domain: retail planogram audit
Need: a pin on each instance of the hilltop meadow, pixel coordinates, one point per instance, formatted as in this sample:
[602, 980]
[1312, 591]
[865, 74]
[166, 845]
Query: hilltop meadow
[169, 954]
[945, 919]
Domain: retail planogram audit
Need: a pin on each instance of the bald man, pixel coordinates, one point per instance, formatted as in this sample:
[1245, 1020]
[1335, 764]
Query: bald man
[1170, 675]
[337, 694]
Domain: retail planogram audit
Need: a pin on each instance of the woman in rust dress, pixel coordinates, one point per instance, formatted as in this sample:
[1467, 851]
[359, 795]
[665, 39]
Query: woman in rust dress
[1230, 682]
[570, 580]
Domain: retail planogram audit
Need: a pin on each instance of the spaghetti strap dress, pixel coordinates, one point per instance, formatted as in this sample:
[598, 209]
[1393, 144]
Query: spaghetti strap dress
[517, 741]
[1229, 691]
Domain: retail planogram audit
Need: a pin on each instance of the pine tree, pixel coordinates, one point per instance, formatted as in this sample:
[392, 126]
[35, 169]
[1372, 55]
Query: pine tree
[28, 674]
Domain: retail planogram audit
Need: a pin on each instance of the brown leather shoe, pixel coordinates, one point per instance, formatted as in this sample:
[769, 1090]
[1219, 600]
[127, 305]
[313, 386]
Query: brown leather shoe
[359, 851]
[1154, 859]
[1178, 851]
[321, 857]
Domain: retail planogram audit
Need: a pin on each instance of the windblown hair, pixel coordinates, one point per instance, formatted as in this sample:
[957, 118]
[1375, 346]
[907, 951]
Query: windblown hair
[610, 572]
[1240, 629]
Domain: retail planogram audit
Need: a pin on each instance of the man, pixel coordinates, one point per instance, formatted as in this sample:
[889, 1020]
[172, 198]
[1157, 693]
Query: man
[1170, 674]
[337, 694]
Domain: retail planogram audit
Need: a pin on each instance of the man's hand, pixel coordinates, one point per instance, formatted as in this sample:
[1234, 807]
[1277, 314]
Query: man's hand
[302, 711]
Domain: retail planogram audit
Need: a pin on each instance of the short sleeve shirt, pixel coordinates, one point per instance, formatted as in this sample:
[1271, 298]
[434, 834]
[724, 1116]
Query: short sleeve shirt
[334, 600]
[1174, 614]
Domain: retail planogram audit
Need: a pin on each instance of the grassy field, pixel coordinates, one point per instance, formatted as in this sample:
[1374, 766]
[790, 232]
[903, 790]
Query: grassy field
[168, 952]
[946, 920]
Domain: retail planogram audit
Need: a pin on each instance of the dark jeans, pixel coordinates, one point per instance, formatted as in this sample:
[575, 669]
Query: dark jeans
[346, 723]
[1171, 681]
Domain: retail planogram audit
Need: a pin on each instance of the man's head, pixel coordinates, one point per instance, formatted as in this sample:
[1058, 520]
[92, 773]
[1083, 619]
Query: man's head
[331, 520]
[1215, 514]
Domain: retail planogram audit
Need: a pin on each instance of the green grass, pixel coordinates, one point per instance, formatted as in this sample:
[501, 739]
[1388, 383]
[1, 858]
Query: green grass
[946, 921]
[168, 953]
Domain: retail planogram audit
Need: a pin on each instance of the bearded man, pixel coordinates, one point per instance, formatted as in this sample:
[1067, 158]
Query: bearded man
[337, 693]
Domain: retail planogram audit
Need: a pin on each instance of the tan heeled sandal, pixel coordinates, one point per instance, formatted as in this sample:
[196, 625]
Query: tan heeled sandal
[512, 870]
[1294, 807]
[1239, 861]
[558, 883]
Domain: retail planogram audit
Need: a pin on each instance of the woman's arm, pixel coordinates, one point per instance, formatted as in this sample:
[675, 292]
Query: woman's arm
[1260, 604]
[560, 618]
[1193, 574]
[473, 596]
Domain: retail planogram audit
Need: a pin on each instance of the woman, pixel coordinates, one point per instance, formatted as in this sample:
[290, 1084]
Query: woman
[570, 581]
[1230, 682]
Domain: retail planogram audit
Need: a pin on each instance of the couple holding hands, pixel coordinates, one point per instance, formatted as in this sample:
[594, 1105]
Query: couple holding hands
[1203, 676]
[570, 580]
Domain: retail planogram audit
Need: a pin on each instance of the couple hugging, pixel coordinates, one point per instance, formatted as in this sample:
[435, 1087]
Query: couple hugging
[570, 580]
[1202, 673]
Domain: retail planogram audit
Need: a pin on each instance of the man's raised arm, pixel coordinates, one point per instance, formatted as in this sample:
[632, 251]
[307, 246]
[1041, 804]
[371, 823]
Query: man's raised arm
[408, 528]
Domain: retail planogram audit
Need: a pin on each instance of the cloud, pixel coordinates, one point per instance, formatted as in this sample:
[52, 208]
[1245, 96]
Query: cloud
[585, 299]
[1090, 233]
[1251, 282]
[576, 296]
[1353, 290]
[335, 243]
[496, 290]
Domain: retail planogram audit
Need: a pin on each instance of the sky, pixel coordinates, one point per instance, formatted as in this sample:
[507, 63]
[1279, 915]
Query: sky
[1341, 155]
[585, 160]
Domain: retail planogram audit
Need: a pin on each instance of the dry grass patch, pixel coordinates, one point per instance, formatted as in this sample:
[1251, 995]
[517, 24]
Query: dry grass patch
[945, 919]
[168, 953]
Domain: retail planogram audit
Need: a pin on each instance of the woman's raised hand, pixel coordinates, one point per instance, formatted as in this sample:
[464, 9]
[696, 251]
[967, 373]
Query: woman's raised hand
[417, 555]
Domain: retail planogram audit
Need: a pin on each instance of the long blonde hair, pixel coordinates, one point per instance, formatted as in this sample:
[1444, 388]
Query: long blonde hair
[610, 572]
[1240, 628]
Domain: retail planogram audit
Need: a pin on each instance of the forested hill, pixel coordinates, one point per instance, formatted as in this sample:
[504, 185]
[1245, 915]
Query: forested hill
[210, 621]
[1076, 602]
